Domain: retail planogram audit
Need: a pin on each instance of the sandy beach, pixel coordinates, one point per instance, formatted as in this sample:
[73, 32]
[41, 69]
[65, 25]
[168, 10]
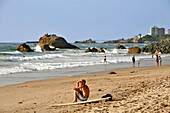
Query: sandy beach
[140, 89]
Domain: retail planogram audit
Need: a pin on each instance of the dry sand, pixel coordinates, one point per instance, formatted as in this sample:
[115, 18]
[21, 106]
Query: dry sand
[144, 89]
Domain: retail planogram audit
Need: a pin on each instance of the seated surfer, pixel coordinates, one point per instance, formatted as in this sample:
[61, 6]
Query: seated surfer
[81, 91]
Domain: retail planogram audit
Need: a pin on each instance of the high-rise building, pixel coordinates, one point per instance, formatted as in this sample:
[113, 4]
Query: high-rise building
[157, 31]
[161, 31]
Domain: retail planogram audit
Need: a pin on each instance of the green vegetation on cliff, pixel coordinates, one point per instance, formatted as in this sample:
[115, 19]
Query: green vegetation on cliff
[155, 37]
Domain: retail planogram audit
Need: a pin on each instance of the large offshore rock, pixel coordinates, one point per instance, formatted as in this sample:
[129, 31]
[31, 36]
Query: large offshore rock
[55, 41]
[134, 50]
[24, 48]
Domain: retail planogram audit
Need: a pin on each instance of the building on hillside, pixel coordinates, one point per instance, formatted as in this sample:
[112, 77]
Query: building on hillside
[157, 31]
[137, 39]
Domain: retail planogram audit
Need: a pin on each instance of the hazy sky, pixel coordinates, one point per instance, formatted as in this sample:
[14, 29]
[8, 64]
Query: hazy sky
[23, 20]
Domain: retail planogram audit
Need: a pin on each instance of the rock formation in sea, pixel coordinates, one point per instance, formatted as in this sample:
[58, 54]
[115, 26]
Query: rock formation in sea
[88, 50]
[47, 48]
[101, 50]
[120, 46]
[94, 49]
[86, 41]
[134, 50]
[55, 41]
[24, 48]
[162, 46]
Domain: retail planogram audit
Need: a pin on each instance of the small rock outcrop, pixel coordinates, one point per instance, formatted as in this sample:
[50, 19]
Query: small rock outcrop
[47, 48]
[24, 48]
[134, 50]
[161, 46]
[86, 41]
[88, 50]
[55, 41]
[94, 49]
[120, 46]
[101, 50]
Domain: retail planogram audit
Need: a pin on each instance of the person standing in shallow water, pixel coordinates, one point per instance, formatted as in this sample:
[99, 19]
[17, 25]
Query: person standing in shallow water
[157, 60]
[105, 59]
[133, 60]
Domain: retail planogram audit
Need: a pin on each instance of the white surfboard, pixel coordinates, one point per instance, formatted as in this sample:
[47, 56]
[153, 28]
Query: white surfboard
[81, 102]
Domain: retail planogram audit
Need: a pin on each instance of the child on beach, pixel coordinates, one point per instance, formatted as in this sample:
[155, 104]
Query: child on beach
[138, 62]
[81, 91]
[160, 60]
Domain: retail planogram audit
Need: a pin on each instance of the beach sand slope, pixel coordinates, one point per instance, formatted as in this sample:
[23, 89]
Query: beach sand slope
[143, 89]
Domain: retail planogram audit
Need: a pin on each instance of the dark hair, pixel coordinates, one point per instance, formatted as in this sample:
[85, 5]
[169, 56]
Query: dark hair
[84, 81]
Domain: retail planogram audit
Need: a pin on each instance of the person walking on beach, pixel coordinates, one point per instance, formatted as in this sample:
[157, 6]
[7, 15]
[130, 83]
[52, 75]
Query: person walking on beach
[105, 59]
[133, 60]
[160, 60]
[157, 60]
[81, 91]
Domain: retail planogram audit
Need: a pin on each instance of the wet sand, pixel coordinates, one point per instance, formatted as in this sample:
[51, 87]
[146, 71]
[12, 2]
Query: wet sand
[143, 89]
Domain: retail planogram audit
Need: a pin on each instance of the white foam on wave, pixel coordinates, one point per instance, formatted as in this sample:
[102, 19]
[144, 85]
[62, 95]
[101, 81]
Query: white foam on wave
[28, 58]
[27, 67]
[38, 48]
[91, 60]
[120, 51]
[12, 53]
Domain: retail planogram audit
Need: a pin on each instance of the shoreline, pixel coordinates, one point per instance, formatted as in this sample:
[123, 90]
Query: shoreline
[22, 77]
[38, 95]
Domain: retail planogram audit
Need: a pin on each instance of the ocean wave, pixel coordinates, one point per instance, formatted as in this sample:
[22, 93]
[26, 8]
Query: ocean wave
[29, 58]
[93, 60]
[120, 51]
[27, 67]
[11, 53]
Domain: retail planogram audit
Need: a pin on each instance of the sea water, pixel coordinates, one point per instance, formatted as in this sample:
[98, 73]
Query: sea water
[13, 63]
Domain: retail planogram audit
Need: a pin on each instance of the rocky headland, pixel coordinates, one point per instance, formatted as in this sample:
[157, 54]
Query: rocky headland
[120, 41]
[162, 46]
[31, 41]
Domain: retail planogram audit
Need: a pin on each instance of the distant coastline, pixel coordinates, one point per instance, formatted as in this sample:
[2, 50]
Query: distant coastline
[31, 41]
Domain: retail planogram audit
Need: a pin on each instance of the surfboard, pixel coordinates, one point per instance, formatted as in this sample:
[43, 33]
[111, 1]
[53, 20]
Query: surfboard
[81, 102]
